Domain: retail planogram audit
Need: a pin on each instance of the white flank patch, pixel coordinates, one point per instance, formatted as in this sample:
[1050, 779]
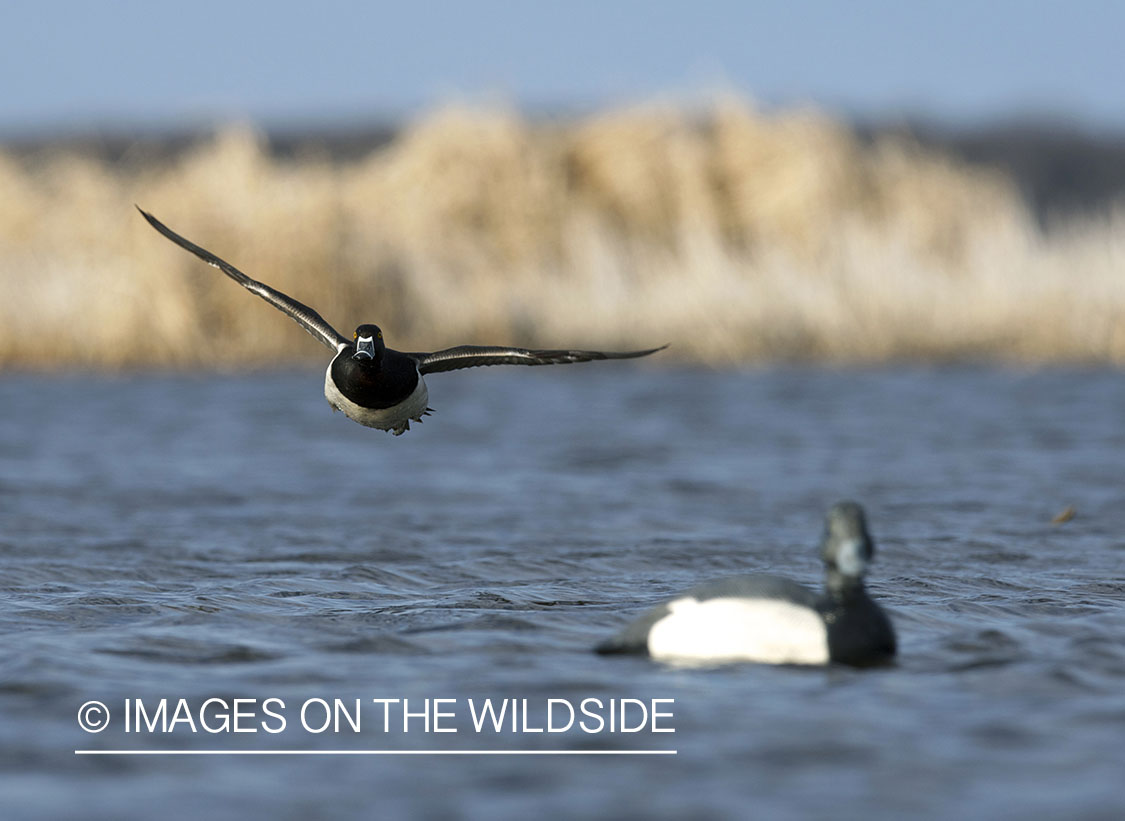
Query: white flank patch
[394, 418]
[770, 631]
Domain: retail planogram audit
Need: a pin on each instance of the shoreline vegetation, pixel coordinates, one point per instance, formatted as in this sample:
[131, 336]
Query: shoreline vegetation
[738, 236]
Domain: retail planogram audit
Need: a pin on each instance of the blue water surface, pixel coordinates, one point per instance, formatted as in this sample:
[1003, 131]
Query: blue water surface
[228, 537]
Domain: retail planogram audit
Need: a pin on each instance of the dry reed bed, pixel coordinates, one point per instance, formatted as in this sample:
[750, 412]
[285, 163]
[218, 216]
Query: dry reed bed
[734, 235]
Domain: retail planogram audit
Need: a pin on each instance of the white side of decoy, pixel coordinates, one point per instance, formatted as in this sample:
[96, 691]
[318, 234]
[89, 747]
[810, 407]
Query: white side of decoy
[771, 631]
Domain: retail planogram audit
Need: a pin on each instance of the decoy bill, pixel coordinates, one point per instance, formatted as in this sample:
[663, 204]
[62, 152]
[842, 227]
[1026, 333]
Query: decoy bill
[375, 385]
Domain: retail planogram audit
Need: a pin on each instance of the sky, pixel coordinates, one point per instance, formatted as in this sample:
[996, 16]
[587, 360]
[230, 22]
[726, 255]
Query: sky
[71, 66]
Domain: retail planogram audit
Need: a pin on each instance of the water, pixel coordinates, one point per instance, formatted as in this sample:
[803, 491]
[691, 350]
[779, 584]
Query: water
[229, 537]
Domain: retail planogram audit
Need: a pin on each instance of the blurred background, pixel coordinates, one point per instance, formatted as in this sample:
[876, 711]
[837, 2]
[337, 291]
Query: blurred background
[750, 181]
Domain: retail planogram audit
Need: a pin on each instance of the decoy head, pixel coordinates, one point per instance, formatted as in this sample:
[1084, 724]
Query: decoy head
[847, 547]
[369, 343]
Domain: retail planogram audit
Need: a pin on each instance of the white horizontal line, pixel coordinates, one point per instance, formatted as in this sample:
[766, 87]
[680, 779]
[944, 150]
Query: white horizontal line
[375, 752]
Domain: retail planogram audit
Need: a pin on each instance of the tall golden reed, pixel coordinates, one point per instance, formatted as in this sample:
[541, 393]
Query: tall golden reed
[734, 235]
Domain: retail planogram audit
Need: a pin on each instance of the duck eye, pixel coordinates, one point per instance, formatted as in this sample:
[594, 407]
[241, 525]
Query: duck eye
[380, 334]
[355, 335]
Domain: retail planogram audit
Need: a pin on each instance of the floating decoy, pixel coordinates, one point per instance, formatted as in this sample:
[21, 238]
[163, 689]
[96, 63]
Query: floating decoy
[774, 620]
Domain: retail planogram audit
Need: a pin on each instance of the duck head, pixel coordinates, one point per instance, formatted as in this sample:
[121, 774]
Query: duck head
[847, 547]
[369, 345]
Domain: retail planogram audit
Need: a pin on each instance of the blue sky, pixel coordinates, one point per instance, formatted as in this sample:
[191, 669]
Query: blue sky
[67, 65]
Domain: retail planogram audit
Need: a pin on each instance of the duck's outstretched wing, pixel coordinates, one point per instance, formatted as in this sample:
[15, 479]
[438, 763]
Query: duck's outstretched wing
[302, 314]
[473, 356]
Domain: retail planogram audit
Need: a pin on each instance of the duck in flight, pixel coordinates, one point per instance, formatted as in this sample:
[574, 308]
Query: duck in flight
[375, 385]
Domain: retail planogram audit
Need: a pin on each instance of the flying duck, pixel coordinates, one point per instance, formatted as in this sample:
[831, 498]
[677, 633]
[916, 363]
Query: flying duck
[375, 385]
[773, 620]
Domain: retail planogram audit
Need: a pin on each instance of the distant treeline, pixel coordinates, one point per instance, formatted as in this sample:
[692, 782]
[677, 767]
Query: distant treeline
[736, 235]
[1060, 170]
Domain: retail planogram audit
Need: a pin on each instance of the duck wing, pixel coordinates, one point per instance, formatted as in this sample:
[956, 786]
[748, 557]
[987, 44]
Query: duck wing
[302, 314]
[473, 356]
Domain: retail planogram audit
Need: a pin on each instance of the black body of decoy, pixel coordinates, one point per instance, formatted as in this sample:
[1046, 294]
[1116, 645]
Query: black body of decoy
[375, 385]
[773, 620]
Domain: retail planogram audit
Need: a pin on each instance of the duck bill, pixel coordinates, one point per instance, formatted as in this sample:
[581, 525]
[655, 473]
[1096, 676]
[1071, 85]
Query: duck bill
[852, 557]
[365, 348]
